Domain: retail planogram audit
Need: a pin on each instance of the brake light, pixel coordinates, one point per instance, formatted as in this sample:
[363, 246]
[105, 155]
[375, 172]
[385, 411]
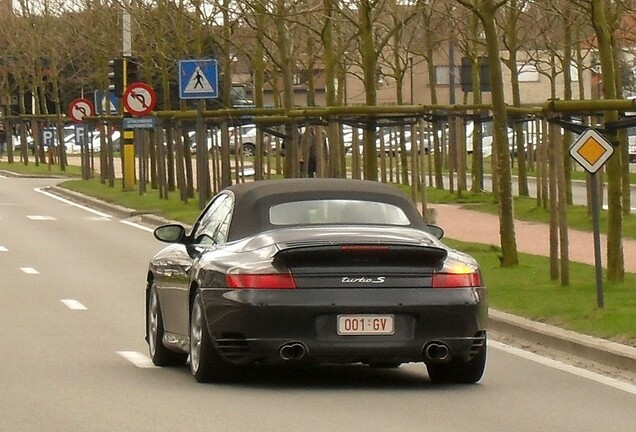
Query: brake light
[364, 248]
[456, 280]
[260, 281]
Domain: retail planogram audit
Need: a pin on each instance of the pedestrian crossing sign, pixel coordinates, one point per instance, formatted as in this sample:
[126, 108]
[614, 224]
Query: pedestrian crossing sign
[198, 79]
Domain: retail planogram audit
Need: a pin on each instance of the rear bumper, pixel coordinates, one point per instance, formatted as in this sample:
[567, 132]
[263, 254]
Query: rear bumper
[253, 325]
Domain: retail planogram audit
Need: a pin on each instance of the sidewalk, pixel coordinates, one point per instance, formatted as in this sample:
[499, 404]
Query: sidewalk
[532, 237]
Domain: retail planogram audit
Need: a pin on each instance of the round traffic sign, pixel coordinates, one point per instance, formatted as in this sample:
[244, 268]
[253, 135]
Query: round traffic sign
[139, 99]
[80, 108]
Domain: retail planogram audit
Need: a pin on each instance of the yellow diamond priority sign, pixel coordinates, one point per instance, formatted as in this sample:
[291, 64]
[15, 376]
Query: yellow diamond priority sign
[591, 150]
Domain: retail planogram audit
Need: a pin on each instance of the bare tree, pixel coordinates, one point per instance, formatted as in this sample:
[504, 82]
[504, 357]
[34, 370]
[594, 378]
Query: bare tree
[486, 11]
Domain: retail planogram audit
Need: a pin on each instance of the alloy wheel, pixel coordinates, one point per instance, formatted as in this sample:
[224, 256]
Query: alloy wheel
[153, 321]
[196, 325]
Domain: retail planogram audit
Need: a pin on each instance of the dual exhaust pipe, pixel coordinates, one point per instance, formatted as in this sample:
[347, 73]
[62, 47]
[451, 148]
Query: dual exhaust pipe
[433, 351]
[292, 351]
[436, 352]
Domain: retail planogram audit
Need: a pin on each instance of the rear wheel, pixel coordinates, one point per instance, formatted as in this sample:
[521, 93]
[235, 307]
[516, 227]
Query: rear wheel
[159, 354]
[459, 372]
[205, 363]
[249, 149]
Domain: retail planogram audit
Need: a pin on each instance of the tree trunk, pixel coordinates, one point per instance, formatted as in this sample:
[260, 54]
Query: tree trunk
[506, 212]
[615, 258]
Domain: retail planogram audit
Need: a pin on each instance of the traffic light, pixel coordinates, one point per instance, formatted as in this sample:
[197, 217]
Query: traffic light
[131, 70]
[116, 76]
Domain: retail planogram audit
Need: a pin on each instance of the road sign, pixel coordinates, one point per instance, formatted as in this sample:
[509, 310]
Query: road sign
[591, 150]
[198, 79]
[139, 99]
[81, 134]
[48, 137]
[138, 123]
[80, 108]
[106, 103]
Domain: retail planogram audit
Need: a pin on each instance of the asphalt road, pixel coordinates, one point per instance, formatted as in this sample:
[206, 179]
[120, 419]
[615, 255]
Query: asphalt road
[73, 356]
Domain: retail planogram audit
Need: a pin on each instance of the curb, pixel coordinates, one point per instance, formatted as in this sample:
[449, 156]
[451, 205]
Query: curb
[599, 350]
[595, 349]
[114, 209]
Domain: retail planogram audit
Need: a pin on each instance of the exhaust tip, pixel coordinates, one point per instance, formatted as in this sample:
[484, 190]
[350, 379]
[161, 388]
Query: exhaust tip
[292, 351]
[436, 351]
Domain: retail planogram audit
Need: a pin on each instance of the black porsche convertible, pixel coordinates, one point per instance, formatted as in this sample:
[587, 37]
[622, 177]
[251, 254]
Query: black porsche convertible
[314, 271]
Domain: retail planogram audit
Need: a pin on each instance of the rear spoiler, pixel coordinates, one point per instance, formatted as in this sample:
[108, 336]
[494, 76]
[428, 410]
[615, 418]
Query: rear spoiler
[390, 254]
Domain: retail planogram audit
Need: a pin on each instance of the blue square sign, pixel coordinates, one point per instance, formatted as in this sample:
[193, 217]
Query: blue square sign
[198, 79]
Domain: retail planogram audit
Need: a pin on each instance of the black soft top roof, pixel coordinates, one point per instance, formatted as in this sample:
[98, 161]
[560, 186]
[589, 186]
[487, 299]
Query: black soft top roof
[253, 200]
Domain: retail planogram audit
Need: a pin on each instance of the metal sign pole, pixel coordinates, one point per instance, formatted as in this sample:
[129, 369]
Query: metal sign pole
[591, 150]
[202, 159]
[600, 302]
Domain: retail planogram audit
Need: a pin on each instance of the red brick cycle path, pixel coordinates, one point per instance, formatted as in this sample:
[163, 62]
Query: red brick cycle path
[532, 237]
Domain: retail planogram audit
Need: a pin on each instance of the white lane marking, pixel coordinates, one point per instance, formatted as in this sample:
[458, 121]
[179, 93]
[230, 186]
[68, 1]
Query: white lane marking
[602, 379]
[73, 304]
[88, 209]
[3, 249]
[29, 270]
[136, 225]
[40, 218]
[138, 359]
[99, 218]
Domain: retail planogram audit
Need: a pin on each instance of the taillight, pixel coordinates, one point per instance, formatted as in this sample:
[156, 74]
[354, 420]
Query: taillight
[364, 248]
[260, 281]
[456, 280]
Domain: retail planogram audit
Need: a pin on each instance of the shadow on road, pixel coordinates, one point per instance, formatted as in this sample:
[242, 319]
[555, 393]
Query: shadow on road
[333, 377]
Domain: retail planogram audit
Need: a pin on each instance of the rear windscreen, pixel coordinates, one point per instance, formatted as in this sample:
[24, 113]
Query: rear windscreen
[317, 212]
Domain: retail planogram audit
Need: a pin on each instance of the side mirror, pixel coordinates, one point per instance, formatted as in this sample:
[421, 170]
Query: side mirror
[171, 233]
[437, 231]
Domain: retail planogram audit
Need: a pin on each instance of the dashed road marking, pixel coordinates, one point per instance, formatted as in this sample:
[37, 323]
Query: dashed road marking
[29, 270]
[40, 218]
[99, 218]
[138, 359]
[73, 304]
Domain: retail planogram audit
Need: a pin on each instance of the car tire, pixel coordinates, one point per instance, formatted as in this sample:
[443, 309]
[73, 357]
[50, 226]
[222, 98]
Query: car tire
[206, 364]
[457, 372]
[159, 354]
[249, 149]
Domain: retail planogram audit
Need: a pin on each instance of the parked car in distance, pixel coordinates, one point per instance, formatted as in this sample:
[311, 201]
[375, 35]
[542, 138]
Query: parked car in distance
[310, 271]
[72, 140]
[17, 143]
[631, 134]
[244, 135]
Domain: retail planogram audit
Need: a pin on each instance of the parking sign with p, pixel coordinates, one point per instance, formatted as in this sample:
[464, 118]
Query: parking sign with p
[48, 137]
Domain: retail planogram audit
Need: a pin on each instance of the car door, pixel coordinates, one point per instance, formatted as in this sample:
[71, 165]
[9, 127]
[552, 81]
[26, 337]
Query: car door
[208, 235]
[175, 284]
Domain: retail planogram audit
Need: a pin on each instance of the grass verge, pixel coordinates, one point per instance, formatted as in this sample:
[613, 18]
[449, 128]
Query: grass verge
[40, 169]
[526, 291]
